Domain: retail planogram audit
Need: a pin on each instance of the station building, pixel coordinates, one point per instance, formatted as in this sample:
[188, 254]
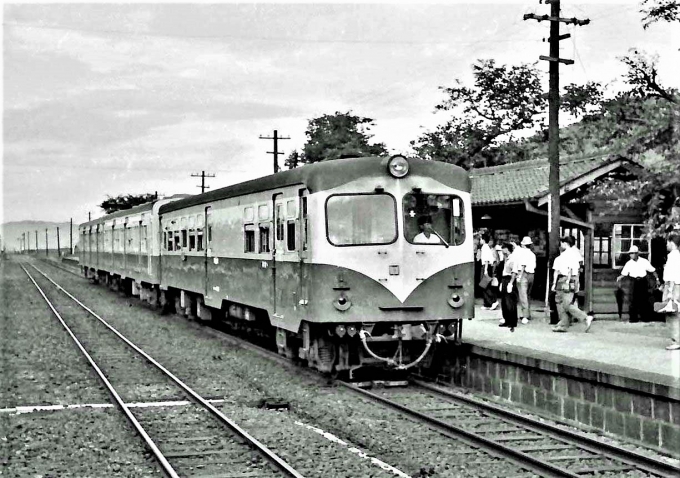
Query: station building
[511, 201]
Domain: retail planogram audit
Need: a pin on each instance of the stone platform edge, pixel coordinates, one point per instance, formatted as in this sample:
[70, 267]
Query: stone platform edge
[648, 383]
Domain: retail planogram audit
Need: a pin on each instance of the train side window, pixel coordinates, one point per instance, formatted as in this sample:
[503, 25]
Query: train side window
[264, 238]
[144, 244]
[290, 236]
[249, 238]
[185, 238]
[279, 222]
[291, 211]
[304, 224]
[199, 239]
[192, 239]
[177, 246]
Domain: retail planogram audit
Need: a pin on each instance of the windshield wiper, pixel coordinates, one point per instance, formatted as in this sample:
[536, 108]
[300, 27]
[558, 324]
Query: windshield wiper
[446, 244]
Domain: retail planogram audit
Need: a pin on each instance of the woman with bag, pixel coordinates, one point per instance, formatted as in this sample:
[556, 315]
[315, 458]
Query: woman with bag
[488, 260]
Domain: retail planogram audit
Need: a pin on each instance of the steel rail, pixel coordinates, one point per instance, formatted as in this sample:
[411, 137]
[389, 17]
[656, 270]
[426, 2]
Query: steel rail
[167, 468]
[521, 459]
[629, 457]
[270, 455]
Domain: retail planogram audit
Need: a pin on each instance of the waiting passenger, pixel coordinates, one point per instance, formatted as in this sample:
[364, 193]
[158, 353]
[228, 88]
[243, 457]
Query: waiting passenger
[427, 234]
[508, 289]
[671, 294]
[565, 284]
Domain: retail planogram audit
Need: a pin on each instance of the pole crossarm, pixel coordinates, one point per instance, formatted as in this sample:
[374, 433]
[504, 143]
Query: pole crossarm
[560, 60]
[568, 21]
[276, 151]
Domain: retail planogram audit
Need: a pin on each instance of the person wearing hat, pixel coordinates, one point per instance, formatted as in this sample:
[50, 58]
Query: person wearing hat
[526, 260]
[641, 302]
[427, 234]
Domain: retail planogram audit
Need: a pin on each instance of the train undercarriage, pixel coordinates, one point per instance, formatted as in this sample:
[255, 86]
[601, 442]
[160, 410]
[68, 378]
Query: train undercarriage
[327, 347]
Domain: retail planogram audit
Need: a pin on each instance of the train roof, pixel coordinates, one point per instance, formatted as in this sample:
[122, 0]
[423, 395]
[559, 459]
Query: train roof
[327, 175]
[141, 208]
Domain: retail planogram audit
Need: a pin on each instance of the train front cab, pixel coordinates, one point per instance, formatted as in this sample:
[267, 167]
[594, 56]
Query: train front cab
[371, 294]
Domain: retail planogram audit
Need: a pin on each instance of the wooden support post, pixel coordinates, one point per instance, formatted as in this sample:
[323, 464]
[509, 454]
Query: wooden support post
[588, 258]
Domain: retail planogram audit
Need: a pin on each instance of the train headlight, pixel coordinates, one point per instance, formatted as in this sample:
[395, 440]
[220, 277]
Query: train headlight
[351, 330]
[398, 166]
[456, 300]
[340, 330]
[342, 303]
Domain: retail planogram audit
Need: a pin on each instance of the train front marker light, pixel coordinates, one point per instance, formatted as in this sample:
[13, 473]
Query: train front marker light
[340, 330]
[351, 330]
[398, 166]
[456, 301]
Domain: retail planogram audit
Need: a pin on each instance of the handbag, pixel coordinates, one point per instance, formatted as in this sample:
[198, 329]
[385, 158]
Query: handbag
[494, 282]
[484, 282]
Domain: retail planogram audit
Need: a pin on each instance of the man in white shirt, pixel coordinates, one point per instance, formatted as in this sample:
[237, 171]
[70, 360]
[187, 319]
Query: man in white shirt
[565, 283]
[526, 260]
[671, 278]
[427, 234]
[641, 301]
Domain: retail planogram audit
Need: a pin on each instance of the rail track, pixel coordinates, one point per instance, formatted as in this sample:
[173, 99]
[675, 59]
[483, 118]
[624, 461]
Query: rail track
[536, 446]
[195, 440]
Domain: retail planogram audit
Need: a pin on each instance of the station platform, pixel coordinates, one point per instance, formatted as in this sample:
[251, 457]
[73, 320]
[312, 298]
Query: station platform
[636, 351]
[618, 378]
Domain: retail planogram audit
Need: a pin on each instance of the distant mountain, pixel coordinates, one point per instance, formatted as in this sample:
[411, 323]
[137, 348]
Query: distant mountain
[11, 234]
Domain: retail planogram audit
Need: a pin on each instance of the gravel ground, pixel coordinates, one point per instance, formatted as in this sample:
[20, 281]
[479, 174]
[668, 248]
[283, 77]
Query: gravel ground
[40, 363]
[73, 443]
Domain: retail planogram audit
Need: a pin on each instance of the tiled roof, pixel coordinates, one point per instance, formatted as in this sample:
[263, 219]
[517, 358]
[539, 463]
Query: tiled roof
[514, 182]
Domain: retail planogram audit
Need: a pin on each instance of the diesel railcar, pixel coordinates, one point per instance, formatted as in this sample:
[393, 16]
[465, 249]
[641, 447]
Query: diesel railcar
[329, 257]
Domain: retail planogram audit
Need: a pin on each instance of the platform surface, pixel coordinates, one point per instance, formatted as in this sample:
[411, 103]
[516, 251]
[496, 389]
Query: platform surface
[636, 351]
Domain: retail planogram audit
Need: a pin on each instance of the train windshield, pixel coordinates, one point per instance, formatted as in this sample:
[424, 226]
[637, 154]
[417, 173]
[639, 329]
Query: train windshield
[361, 219]
[434, 219]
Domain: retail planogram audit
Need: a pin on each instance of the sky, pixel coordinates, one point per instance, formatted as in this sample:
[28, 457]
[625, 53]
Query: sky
[107, 99]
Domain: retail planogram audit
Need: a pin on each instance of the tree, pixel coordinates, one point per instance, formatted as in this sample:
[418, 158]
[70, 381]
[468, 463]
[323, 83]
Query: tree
[293, 160]
[660, 10]
[489, 117]
[643, 123]
[126, 201]
[340, 135]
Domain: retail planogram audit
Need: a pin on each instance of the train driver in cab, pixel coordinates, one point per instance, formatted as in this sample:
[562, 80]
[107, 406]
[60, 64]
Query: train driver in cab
[427, 233]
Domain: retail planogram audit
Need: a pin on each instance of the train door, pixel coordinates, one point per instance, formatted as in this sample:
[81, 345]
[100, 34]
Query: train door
[286, 265]
[204, 242]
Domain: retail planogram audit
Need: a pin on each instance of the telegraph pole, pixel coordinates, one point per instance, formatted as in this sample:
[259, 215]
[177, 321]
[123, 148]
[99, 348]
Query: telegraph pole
[46, 245]
[58, 243]
[276, 152]
[70, 240]
[203, 175]
[36, 242]
[553, 116]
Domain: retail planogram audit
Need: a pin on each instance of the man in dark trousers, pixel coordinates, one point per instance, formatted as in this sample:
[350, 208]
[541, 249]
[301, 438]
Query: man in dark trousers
[641, 301]
[508, 288]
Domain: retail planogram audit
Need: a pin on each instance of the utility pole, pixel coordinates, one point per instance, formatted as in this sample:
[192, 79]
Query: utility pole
[203, 175]
[553, 117]
[70, 240]
[276, 152]
[36, 242]
[58, 243]
[89, 216]
[46, 245]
